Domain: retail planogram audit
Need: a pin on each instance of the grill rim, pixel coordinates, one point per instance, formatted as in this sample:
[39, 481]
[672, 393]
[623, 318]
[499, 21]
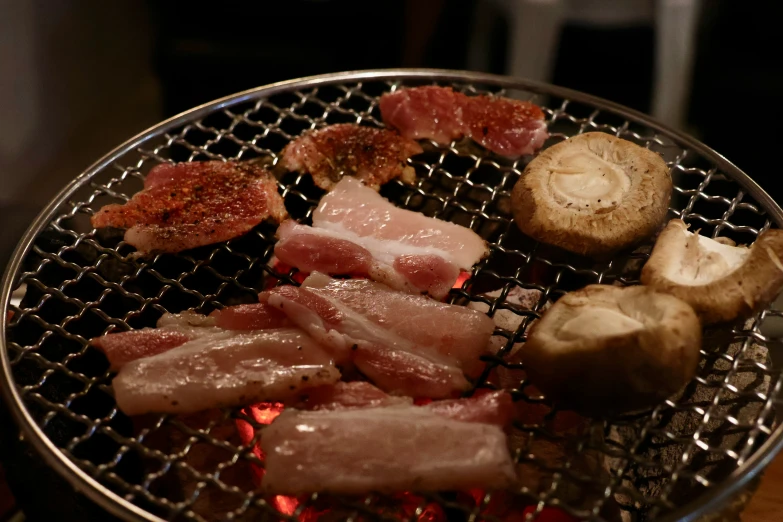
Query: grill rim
[118, 506]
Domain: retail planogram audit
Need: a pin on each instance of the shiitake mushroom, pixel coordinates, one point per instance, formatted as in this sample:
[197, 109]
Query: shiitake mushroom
[592, 194]
[604, 349]
[720, 280]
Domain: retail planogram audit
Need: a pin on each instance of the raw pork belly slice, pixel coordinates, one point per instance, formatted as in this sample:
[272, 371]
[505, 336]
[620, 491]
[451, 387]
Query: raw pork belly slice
[176, 329]
[255, 316]
[349, 395]
[508, 127]
[123, 347]
[353, 208]
[430, 112]
[357, 232]
[313, 249]
[393, 363]
[172, 330]
[406, 344]
[222, 369]
[372, 155]
[188, 205]
[451, 330]
[398, 448]
[488, 407]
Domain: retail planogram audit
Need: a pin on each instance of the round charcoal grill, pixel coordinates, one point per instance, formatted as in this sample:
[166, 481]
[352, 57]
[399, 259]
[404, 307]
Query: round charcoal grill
[678, 461]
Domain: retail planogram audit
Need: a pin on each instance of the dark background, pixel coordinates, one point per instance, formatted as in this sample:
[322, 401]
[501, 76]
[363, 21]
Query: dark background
[737, 77]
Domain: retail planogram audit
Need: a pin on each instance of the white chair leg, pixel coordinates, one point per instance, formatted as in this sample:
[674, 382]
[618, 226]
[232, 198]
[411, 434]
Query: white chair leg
[534, 32]
[675, 34]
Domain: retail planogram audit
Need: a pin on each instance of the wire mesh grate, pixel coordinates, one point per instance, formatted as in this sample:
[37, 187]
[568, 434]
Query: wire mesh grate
[80, 283]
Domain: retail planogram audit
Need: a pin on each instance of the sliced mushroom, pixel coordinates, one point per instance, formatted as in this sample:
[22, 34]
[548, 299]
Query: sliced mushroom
[593, 194]
[606, 349]
[721, 281]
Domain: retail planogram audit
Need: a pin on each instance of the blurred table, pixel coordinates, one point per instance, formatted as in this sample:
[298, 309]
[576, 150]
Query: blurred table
[767, 504]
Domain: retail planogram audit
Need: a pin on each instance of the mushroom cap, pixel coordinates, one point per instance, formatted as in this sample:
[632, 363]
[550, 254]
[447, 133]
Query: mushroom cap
[593, 194]
[604, 350]
[722, 282]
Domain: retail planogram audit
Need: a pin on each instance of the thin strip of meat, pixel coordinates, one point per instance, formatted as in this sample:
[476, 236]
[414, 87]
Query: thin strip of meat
[391, 362]
[398, 448]
[429, 112]
[188, 205]
[488, 407]
[450, 330]
[357, 232]
[254, 316]
[223, 369]
[176, 329]
[123, 347]
[353, 210]
[406, 344]
[313, 249]
[172, 330]
[505, 126]
[357, 394]
[372, 155]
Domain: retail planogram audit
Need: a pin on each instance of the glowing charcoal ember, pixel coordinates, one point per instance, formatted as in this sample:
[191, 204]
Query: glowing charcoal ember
[285, 505]
[504, 506]
[409, 506]
[263, 413]
[464, 276]
[278, 267]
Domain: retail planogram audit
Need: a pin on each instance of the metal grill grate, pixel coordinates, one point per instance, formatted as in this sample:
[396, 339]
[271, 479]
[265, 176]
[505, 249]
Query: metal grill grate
[79, 283]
